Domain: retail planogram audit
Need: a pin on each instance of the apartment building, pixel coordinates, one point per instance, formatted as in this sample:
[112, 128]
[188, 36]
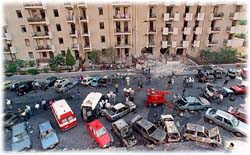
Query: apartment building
[39, 31]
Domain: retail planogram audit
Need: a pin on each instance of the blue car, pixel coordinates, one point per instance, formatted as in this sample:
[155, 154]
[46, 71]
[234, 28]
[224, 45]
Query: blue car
[94, 82]
[48, 135]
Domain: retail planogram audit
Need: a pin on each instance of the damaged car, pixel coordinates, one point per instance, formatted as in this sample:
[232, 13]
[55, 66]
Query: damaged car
[173, 134]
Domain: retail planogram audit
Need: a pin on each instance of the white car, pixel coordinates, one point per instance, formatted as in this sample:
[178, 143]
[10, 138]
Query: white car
[59, 82]
[65, 86]
[87, 80]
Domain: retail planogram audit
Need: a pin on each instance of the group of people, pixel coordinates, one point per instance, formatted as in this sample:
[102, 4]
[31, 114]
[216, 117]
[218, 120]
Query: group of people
[129, 94]
[188, 82]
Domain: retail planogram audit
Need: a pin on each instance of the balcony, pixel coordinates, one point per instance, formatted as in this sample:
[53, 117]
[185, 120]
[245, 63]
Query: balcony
[123, 3]
[214, 30]
[81, 4]
[188, 17]
[237, 29]
[200, 16]
[73, 34]
[44, 48]
[152, 16]
[40, 35]
[172, 16]
[172, 44]
[196, 43]
[235, 42]
[124, 32]
[217, 16]
[75, 47]
[151, 31]
[237, 16]
[121, 17]
[7, 36]
[9, 50]
[122, 45]
[70, 19]
[38, 20]
[85, 33]
[39, 5]
[212, 43]
[83, 18]
[187, 30]
[68, 5]
[164, 44]
[167, 31]
[198, 30]
[151, 44]
[183, 44]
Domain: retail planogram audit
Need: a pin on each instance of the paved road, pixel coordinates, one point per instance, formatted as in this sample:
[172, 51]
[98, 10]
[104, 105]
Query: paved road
[77, 138]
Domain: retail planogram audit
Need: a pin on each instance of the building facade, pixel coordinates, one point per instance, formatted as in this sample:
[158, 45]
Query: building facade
[39, 31]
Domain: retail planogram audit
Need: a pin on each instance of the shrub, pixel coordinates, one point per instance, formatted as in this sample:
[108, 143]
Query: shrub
[10, 68]
[33, 71]
[45, 70]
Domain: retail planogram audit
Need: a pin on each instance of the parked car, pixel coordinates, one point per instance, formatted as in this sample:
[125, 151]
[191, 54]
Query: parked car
[191, 103]
[24, 88]
[103, 82]
[201, 134]
[15, 85]
[65, 86]
[227, 121]
[87, 80]
[59, 82]
[243, 72]
[47, 135]
[219, 73]
[205, 75]
[124, 133]
[21, 137]
[99, 133]
[119, 110]
[148, 130]
[213, 91]
[232, 73]
[49, 82]
[239, 113]
[10, 119]
[173, 134]
[94, 82]
[239, 89]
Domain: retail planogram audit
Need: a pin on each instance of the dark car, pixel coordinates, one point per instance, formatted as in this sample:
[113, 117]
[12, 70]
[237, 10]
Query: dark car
[232, 73]
[205, 75]
[213, 91]
[49, 82]
[124, 133]
[24, 88]
[15, 85]
[10, 119]
[103, 82]
[148, 130]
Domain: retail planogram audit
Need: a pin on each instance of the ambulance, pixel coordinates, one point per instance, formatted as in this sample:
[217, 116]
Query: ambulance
[63, 114]
[91, 107]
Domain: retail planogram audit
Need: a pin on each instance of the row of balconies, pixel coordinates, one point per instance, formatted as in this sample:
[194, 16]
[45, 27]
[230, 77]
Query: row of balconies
[121, 16]
[186, 30]
[7, 36]
[9, 49]
[174, 44]
[187, 16]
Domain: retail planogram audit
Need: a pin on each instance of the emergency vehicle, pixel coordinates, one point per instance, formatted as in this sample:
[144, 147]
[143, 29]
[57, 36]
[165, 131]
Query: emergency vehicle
[91, 106]
[63, 114]
[155, 97]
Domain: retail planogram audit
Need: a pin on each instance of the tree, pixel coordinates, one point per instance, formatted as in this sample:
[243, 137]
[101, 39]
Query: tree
[70, 60]
[110, 53]
[57, 60]
[10, 67]
[94, 56]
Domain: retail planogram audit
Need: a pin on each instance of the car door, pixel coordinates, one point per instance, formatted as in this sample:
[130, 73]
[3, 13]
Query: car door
[201, 137]
[191, 106]
[218, 120]
[198, 106]
[228, 124]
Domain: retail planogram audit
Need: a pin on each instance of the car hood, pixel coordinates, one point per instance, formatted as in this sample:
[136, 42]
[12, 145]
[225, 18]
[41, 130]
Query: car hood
[49, 140]
[104, 140]
[18, 146]
[242, 127]
[159, 135]
[235, 88]
[214, 132]
[204, 101]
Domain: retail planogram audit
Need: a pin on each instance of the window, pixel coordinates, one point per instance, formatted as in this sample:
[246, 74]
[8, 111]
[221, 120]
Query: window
[218, 118]
[63, 53]
[56, 14]
[60, 40]
[19, 14]
[190, 132]
[100, 11]
[101, 25]
[38, 29]
[228, 122]
[200, 134]
[27, 42]
[31, 55]
[44, 54]
[126, 52]
[23, 28]
[102, 39]
[58, 27]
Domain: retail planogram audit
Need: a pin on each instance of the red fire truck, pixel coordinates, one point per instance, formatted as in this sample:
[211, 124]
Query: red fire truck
[63, 114]
[155, 97]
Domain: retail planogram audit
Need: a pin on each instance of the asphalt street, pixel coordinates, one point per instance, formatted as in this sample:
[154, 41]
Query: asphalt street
[78, 139]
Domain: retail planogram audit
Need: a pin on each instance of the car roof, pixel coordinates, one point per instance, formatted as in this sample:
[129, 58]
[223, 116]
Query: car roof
[195, 127]
[118, 106]
[61, 107]
[91, 100]
[45, 126]
[121, 123]
[96, 124]
[223, 114]
[145, 123]
[18, 128]
[191, 99]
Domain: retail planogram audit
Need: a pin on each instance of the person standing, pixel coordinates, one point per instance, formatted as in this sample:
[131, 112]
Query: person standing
[183, 92]
[132, 94]
[226, 80]
[44, 105]
[9, 104]
[29, 110]
[184, 82]
[27, 114]
[116, 87]
[127, 80]
[221, 98]
[37, 106]
[169, 83]
[24, 116]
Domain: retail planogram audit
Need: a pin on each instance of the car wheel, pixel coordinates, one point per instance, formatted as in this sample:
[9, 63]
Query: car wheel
[210, 121]
[238, 134]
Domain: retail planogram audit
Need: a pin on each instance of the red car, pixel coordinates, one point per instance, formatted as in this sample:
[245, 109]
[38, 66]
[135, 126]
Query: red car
[238, 113]
[239, 89]
[244, 72]
[99, 133]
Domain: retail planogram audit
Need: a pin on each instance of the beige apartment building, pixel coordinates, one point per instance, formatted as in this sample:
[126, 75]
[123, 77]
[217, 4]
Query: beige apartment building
[39, 31]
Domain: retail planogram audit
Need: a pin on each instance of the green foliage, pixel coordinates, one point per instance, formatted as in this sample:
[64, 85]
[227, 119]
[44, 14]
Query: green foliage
[33, 71]
[45, 70]
[10, 67]
[243, 22]
[20, 63]
[240, 35]
[94, 56]
[31, 63]
[70, 60]
[55, 61]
